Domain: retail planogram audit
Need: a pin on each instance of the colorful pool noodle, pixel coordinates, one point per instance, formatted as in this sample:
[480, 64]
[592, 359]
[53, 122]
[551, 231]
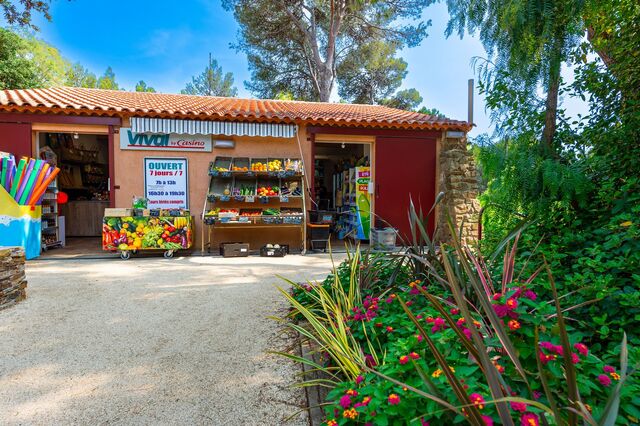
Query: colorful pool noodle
[5, 166]
[43, 187]
[44, 172]
[11, 171]
[16, 178]
[25, 179]
[28, 188]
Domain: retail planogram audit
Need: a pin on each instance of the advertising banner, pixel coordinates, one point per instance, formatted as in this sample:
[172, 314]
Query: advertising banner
[164, 142]
[166, 183]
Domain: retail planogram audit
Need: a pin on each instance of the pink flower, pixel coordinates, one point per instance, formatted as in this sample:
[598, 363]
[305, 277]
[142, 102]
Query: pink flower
[501, 310]
[404, 359]
[438, 324]
[359, 380]
[513, 324]
[477, 400]
[460, 322]
[547, 345]
[497, 296]
[389, 329]
[345, 401]
[582, 349]
[608, 369]
[423, 422]
[454, 311]
[414, 355]
[467, 333]
[604, 380]
[536, 395]
[488, 421]
[519, 406]
[419, 337]
[544, 358]
[529, 294]
[409, 302]
[575, 358]
[393, 399]
[512, 303]
[530, 419]
[369, 360]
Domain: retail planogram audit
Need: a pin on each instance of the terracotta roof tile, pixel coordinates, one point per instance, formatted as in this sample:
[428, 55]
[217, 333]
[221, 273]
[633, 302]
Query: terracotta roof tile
[96, 101]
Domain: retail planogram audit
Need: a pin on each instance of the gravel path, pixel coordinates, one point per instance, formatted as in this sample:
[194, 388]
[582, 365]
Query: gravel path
[151, 341]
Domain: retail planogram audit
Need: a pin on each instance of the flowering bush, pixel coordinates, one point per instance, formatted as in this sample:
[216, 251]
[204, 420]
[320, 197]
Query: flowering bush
[431, 356]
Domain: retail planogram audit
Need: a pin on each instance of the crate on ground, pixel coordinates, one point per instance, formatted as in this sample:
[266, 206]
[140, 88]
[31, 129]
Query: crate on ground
[118, 212]
[274, 250]
[234, 249]
[383, 239]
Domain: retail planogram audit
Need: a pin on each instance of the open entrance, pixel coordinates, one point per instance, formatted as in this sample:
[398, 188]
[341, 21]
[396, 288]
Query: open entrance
[73, 207]
[342, 193]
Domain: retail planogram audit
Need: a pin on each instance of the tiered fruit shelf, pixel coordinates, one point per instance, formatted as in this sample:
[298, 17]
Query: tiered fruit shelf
[253, 194]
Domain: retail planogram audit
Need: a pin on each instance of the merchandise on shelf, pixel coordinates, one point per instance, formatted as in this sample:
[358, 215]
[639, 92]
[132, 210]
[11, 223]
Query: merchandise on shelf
[268, 191]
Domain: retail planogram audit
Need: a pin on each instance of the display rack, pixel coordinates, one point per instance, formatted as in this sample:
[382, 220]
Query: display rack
[248, 195]
[50, 220]
[355, 220]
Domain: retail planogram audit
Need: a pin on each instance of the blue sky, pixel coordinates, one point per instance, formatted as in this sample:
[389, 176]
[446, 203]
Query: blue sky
[166, 42]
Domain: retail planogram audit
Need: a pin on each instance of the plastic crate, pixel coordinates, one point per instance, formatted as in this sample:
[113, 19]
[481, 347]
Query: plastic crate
[221, 166]
[292, 220]
[234, 249]
[241, 165]
[273, 252]
[271, 219]
[255, 162]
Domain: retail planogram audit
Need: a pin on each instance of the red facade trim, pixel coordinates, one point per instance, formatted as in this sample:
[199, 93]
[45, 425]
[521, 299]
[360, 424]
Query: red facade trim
[59, 119]
[112, 169]
[331, 130]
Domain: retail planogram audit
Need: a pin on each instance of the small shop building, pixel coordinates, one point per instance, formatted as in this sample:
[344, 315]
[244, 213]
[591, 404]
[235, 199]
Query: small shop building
[354, 167]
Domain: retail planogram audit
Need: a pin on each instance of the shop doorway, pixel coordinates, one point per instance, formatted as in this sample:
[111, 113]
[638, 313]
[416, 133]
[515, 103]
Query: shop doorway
[73, 207]
[341, 195]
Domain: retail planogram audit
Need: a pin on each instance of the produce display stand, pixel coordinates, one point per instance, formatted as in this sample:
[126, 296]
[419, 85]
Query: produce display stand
[131, 234]
[250, 195]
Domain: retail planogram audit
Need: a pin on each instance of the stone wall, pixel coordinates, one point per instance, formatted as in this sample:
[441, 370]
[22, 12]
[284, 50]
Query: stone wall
[13, 283]
[460, 184]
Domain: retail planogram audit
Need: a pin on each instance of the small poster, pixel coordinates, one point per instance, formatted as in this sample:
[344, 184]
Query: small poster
[166, 183]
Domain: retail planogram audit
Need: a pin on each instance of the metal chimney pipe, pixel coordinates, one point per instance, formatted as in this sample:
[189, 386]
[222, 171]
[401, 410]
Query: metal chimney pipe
[470, 102]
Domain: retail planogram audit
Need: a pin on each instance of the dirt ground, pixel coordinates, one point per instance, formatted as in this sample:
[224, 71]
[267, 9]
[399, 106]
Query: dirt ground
[151, 341]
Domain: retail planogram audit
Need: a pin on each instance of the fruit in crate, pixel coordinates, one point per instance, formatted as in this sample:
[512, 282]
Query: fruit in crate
[213, 212]
[271, 212]
[251, 213]
[268, 191]
[240, 169]
[221, 169]
[258, 167]
[274, 165]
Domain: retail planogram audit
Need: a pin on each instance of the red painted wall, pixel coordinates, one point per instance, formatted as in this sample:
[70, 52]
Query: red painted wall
[16, 138]
[405, 168]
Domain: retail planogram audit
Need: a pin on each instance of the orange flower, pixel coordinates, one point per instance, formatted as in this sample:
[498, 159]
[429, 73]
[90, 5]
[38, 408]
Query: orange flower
[351, 413]
[513, 324]
[332, 423]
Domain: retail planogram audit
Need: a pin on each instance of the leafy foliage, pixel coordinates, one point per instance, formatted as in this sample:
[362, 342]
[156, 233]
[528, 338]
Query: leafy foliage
[16, 70]
[299, 46]
[212, 82]
[20, 12]
[141, 86]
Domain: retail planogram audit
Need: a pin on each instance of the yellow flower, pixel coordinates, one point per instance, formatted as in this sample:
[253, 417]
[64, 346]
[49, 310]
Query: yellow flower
[332, 423]
[436, 373]
[351, 413]
[626, 224]
[453, 370]
[615, 376]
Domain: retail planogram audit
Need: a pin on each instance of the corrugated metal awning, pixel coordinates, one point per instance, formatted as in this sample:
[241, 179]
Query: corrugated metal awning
[197, 127]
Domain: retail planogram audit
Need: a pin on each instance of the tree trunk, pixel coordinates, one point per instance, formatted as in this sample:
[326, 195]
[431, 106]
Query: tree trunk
[325, 83]
[551, 112]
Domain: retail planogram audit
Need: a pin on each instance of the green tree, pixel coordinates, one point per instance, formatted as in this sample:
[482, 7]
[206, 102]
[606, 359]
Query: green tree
[299, 46]
[408, 99]
[527, 41]
[17, 71]
[141, 86]
[52, 67]
[212, 82]
[20, 12]
[371, 73]
[108, 80]
[79, 76]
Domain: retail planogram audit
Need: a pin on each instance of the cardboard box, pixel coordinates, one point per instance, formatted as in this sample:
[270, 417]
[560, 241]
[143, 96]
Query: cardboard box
[234, 249]
[118, 212]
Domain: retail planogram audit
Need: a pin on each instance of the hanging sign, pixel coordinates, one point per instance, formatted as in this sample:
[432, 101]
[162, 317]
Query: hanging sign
[164, 141]
[166, 183]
